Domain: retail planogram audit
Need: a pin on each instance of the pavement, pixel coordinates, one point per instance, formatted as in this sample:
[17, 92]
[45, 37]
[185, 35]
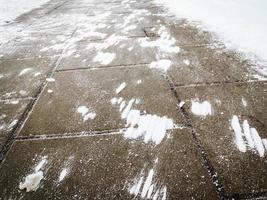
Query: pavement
[119, 99]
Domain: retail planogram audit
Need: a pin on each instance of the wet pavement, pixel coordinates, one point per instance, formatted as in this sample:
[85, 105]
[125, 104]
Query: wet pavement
[121, 100]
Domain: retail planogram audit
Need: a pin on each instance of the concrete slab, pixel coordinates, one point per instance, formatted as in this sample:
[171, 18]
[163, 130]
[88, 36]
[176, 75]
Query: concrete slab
[210, 64]
[107, 167]
[236, 109]
[11, 111]
[115, 50]
[92, 91]
[22, 78]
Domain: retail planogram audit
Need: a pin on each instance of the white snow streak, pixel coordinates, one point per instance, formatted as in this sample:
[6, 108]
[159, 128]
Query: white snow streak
[248, 137]
[120, 88]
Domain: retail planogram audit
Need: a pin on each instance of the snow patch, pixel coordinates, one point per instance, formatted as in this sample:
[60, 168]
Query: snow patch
[84, 111]
[201, 109]
[104, 58]
[229, 19]
[161, 64]
[32, 182]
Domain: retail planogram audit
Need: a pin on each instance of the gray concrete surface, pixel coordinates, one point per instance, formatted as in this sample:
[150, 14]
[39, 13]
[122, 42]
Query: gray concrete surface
[61, 114]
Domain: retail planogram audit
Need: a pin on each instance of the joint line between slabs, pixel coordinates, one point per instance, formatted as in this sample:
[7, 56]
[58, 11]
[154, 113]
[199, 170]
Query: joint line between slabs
[207, 163]
[28, 110]
[219, 83]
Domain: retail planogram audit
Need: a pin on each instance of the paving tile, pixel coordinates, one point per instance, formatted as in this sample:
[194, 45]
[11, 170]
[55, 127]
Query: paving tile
[115, 50]
[27, 76]
[241, 167]
[94, 89]
[207, 64]
[107, 167]
[11, 112]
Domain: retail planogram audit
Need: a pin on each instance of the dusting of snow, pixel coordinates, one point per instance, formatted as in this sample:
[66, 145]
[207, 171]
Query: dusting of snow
[166, 43]
[120, 88]
[201, 109]
[163, 64]
[247, 137]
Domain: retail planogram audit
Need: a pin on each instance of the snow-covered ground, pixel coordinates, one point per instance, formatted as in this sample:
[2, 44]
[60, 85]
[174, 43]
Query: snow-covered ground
[11, 9]
[242, 24]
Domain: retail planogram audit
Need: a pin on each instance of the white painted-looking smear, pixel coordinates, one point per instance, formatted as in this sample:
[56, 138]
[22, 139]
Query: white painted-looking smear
[257, 141]
[163, 64]
[114, 100]
[25, 71]
[247, 134]
[264, 142]
[139, 81]
[187, 62]
[120, 88]
[41, 164]
[63, 174]
[84, 111]
[201, 109]
[104, 58]
[238, 134]
[126, 111]
[32, 181]
[147, 183]
[136, 187]
[50, 79]
[152, 127]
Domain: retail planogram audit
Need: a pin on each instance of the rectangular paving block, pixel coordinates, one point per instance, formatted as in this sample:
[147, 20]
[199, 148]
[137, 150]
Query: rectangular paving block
[231, 121]
[210, 64]
[106, 167]
[10, 113]
[23, 77]
[114, 50]
[95, 100]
